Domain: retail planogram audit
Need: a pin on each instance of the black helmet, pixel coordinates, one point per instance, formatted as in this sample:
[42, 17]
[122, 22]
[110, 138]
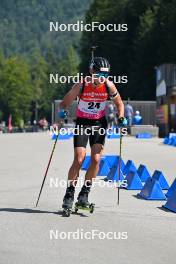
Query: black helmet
[100, 64]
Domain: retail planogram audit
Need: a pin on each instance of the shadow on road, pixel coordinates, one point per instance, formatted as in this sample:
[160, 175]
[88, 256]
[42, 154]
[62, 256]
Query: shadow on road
[165, 209]
[139, 197]
[36, 211]
[26, 210]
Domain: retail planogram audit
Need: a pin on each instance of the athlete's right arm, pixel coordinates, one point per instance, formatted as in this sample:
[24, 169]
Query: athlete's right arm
[70, 96]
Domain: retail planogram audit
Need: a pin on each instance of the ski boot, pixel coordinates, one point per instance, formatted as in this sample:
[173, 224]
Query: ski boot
[68, 201]
[82, 202]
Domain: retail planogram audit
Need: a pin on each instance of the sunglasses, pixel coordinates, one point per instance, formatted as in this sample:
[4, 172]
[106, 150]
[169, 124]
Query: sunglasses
[102, 74]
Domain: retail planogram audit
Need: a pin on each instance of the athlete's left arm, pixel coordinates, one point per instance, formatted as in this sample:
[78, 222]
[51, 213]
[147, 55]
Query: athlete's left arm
[114, 94]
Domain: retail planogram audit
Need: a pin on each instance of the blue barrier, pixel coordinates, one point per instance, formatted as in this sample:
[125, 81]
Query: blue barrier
[113, 175]
[103, 168]
[133, 181]
[64, 137]
[174, 141]
[170, 140]
[111, 136]
[143, 173]
[61, 137]
[158, 175]
[129, 167]
[143, 135]
[166, 140]
[152, 191]
[86, 163]
[113, 160]
[171, 189]
[171, 202]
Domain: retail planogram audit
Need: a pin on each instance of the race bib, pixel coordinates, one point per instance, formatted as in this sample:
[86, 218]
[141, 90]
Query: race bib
[92, 110]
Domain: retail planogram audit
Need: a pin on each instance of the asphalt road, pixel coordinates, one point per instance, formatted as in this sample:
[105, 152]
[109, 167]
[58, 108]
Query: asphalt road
[145, 233]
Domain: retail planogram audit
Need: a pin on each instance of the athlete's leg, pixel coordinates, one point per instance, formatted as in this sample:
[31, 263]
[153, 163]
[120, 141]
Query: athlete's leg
[80, 143]
[96, 141]
[79, 156]
[96, 153]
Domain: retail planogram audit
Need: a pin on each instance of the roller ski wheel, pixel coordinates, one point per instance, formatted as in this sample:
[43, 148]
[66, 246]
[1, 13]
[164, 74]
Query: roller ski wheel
[66, 212]
[92, 206]
[88, 207]
[68, 201]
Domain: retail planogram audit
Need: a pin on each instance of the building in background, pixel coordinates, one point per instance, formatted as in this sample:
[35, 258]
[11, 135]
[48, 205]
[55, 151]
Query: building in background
[166, 98]
[147, 110]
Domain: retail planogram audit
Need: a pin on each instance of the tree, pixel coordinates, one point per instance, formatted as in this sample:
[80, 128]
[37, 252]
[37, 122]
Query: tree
[16, 89]
[149, 41]
[67, 67]
[39, 81]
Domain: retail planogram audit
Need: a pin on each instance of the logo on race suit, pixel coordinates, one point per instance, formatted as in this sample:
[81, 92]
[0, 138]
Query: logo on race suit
[94, 94]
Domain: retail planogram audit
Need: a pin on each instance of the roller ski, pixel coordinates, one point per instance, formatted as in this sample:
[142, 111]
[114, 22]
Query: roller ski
[82, 202]
[68, 201]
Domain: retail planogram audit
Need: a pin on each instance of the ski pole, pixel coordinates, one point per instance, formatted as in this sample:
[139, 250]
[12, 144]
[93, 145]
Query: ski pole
[46, 172]
[119, 168]
[93, 48]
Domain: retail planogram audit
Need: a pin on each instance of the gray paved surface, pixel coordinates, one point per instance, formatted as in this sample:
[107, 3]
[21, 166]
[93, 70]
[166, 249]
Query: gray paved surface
[25, 230]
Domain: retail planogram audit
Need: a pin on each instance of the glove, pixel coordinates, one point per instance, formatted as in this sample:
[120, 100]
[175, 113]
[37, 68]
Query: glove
[62, 113]
[122, 122]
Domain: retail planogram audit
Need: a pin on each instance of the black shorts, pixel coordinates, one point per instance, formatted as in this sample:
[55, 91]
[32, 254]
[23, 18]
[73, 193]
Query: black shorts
[94, 131]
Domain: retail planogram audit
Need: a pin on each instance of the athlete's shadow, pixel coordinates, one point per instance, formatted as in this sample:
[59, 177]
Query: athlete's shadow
[26, 210]
[36, 211]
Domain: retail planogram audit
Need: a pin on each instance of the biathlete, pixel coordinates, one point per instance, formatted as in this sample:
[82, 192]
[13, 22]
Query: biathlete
[92, 95]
